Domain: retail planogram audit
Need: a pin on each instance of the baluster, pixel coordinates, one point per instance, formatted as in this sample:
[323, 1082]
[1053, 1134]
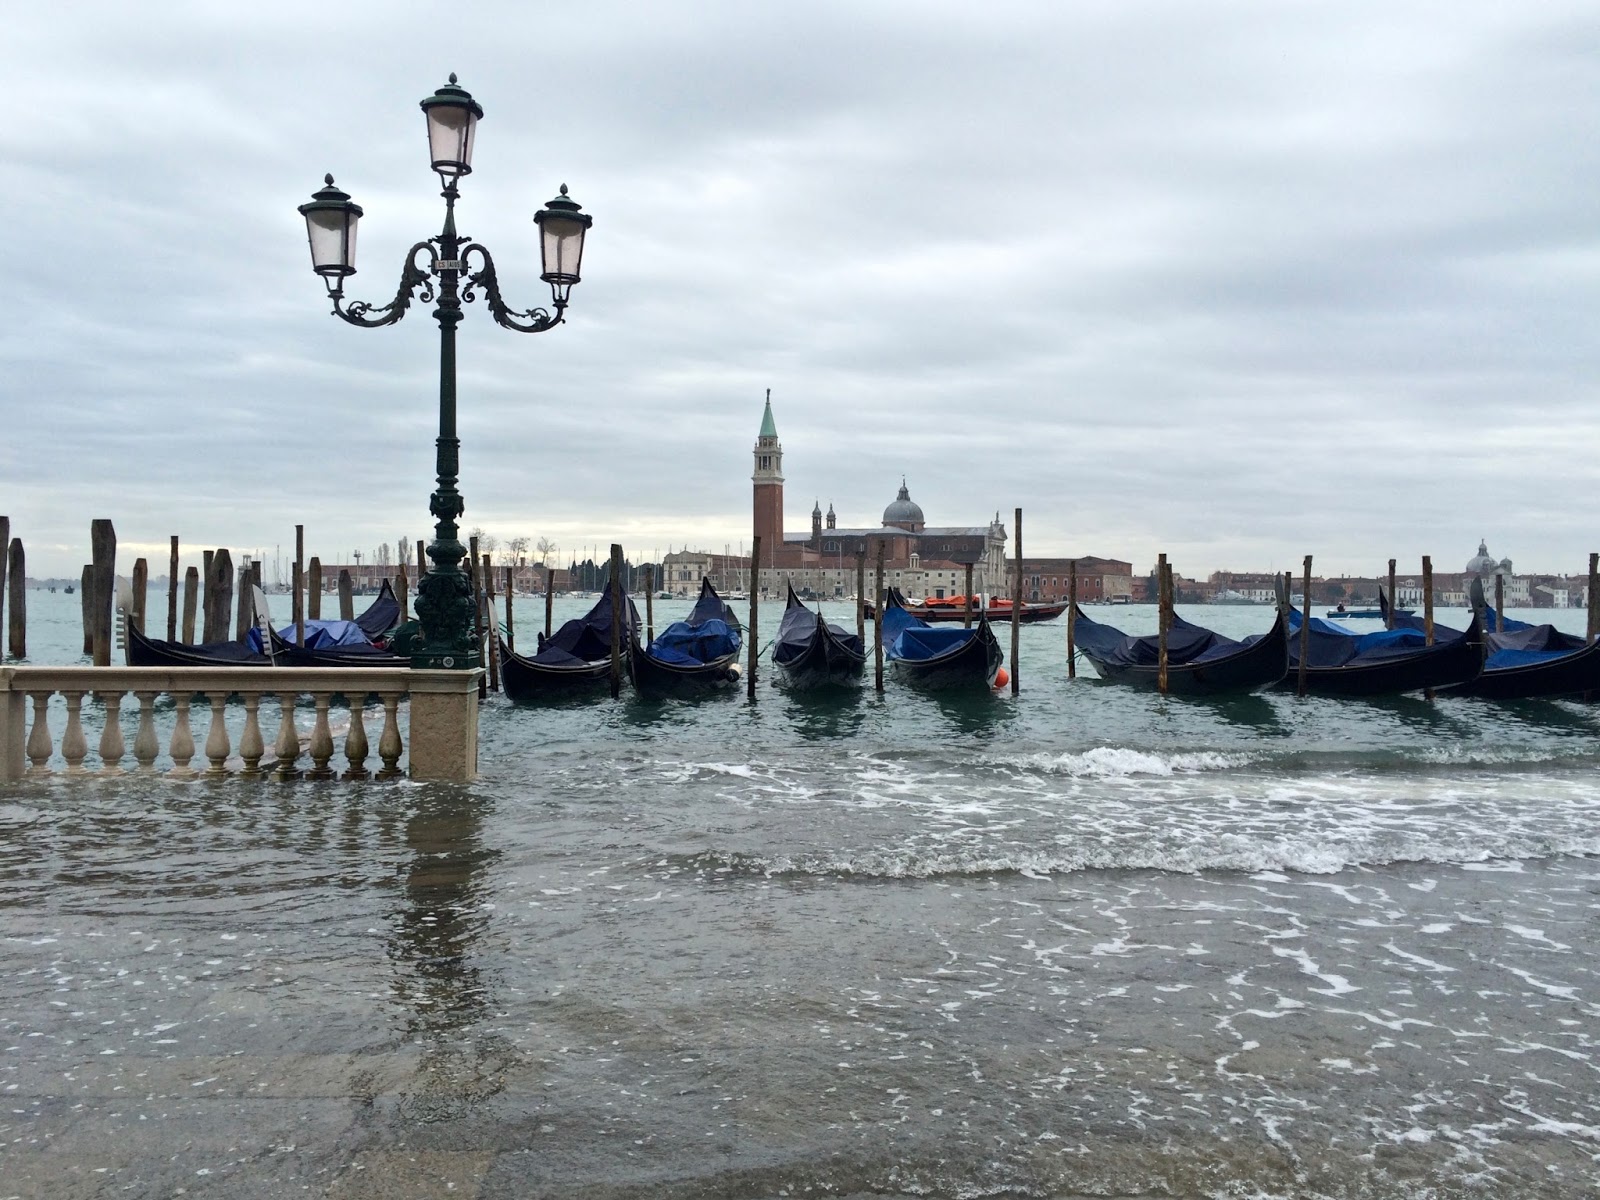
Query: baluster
[112, 744]
[321, 740]
[40, 746]
[355, 741]
[182, 745]
[287, 747]
[217, 745]
[145, 745]
[251, 747]
[74, 746]
[389, 747]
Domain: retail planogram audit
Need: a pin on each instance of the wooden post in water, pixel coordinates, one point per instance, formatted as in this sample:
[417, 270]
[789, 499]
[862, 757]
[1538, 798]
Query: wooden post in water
[966, 599]
[1594, 600]
[755, 581]
[203, 596]
[314, 589]
[511, 628]
[172, 589]
[617, 615]
[1072, 619]
[1427, 610]
[1305, 629]
[491, 648]
[86, 607]
[141, 589]
[402, 590]
[218, 597]
[1016, 611]
[347, 595]
[877, 624]
[103, 541]
[861, 593]
[299, 585]
[649, 605]
[16, 583]
[549, 597]
[1499, 602]
[245, 603]
[1394, 601]
[1161, 624]
[191, 602]
[5, 555]
[475, 590]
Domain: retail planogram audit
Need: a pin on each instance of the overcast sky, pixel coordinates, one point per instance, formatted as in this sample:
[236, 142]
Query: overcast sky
[1237, 281]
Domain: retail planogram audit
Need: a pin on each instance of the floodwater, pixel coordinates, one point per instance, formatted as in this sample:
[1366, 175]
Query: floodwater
[1083, 941]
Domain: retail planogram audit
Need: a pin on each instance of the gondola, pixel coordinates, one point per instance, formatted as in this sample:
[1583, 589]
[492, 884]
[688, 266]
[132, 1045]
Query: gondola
[1524, 662]
[573, 661]
[380, 616]
[1200, 662]
[691, 656]
[321, 652]
[933, 658]
[811, 653]
[1386, 663]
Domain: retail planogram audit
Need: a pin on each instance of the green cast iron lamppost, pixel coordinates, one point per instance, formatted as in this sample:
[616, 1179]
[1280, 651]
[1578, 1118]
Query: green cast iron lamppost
[444, 596]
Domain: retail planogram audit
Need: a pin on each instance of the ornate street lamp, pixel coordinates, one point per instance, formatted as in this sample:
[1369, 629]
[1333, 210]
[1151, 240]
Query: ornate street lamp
[444, 598]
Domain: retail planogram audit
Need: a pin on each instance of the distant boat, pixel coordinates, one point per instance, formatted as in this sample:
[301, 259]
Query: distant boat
[953, 608]
[69, 589]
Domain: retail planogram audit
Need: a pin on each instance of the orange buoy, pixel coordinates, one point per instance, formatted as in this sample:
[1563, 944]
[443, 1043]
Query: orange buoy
[1001, 679]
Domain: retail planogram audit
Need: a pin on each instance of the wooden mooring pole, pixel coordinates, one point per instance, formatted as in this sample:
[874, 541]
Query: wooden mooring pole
[491, 645]
[1594, 599]
[966, 599]
[1016, 612]
[877, 624]
[218, 597]
[755, 581]
[1161, 624]
[5, 557]
[299, 605]
[347, 595]
[1394, 601]
[141, 589]
[511, 624]
[1305, 629]
[103, 542]
[86, 607]
[1072, 619]
[549, 597]
[244, 603]
[172, 589]
[861, 594]
[16, 584]
[402, 590]
[314, 589]
[1499, 603]
[1427, 609]
[191, 603]
[649, 605]
[618, 612]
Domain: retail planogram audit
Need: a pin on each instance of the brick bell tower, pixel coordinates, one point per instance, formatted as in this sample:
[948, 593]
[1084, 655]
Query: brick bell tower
[768, 481]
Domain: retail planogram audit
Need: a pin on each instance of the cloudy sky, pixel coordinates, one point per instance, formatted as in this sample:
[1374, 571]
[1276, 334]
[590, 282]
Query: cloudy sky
[1237, 281]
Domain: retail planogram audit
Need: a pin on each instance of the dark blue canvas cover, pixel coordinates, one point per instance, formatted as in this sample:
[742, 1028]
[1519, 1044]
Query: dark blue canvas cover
[912, 639]
[320, 635]
[798, 629]
[1520, 645]
[587, 638]
[711, 631]
[382, 615]
[1186, 643]
[1333, 645]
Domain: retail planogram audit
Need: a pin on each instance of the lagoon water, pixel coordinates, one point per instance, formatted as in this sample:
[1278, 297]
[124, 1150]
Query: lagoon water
[1083, 941]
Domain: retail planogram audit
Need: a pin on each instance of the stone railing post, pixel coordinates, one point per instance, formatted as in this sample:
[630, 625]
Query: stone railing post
[444, 725]
[13, 729]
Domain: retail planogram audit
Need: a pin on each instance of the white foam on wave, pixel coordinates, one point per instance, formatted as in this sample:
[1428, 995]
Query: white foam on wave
[1105, 762]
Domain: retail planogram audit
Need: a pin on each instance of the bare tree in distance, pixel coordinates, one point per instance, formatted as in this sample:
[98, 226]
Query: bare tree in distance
[383, 554]
[486, 540]
[517, 547]
[404, 547]
[546, 548]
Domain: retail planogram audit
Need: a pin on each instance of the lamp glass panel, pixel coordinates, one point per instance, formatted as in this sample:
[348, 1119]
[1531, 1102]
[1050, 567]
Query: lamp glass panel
[450, 134]
[562, 247]
[332, 233]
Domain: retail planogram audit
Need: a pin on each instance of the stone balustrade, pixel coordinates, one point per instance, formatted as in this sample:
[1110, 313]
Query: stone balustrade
[441, 720]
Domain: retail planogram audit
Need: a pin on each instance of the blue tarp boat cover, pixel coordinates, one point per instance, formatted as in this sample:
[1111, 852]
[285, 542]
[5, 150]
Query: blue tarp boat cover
[1333, 645]
[1186, 643]
[1521, 644]
[710, 631]
[320, 635]
[912, 639]
[587, 638]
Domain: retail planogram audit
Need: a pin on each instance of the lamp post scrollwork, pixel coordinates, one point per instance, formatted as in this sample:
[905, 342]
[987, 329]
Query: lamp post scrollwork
[447, 270]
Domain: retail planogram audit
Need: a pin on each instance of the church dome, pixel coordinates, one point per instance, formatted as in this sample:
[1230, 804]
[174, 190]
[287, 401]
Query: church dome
[903, 510]
[1482, 563]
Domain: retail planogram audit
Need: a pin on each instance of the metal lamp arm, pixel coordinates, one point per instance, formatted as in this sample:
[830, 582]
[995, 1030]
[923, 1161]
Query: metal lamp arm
[414, 278]
[535, 320]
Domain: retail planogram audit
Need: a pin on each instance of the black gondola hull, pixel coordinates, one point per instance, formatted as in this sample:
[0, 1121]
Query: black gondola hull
[527, 682]
[1254, 667]
[1570, 675]
[824, 662]
[973, 664]
[142, 651]
[1446, 664]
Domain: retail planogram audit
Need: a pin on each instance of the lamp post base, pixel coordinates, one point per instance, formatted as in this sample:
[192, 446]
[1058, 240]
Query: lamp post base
[444, 607]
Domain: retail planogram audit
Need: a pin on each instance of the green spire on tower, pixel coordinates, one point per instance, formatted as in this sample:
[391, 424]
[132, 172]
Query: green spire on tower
[769, 428]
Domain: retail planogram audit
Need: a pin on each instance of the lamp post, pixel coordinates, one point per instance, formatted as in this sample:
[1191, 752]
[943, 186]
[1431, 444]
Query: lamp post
[450, 269]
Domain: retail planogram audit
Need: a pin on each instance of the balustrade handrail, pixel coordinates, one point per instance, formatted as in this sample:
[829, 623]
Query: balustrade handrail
[21, 744]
